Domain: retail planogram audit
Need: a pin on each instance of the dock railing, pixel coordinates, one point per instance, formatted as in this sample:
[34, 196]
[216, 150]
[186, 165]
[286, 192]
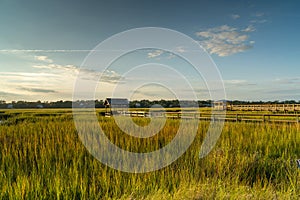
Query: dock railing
[233, 117]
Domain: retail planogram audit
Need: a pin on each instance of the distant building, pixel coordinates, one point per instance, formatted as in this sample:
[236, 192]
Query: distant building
[115, 105]
[220, 105]
[39, 106]
[137, 105]
[10, 106]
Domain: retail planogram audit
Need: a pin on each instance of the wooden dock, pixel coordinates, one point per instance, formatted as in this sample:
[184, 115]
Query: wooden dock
[265, 107]
[232, 117]
[238, 117]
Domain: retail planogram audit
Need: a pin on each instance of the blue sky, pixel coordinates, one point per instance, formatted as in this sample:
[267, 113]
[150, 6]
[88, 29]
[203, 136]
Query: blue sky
[255, 45]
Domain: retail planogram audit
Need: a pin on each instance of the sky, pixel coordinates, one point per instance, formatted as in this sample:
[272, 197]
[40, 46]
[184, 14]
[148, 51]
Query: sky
[46, 45]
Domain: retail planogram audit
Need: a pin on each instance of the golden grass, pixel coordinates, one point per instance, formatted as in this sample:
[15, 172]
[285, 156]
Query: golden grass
[41, 157]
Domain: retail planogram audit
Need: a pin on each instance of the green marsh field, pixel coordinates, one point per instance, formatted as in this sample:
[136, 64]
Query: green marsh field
[42, 157]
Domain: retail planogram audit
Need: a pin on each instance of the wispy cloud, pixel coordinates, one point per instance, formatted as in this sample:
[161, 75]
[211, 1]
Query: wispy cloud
[249, 28]
[112, 77]
[16, 51]
[160, 54]
[152, 91]
[259, 21]
[171, 56]
[8, 94]
[43, 58]
[259, 14]
[292, 93]
[225, 40]
[51, 80]
[258, 18]
[155, 53]
[290, 80]
[181, 49]
[237, 82]
[38, 90]
[44, 50]
[58, 67]
[30, 85]
[87, 74]
[25, 75]
[235, 16]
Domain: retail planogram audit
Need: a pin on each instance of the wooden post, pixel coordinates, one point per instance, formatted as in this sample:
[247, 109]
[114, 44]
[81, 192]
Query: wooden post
[294, 107]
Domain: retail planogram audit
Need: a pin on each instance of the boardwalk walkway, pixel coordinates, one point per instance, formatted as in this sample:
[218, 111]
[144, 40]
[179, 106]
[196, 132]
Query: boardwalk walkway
[233, 117]
[265, 107]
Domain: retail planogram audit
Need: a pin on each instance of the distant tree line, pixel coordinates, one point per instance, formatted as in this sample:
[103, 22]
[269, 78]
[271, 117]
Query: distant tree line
[168, 103]
[46, 104]
[237, 102]
[132, 104]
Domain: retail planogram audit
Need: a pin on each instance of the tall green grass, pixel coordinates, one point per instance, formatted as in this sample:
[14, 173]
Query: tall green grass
[42, 157]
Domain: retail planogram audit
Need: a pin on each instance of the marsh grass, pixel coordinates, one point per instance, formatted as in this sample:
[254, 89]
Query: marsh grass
[42, 157]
